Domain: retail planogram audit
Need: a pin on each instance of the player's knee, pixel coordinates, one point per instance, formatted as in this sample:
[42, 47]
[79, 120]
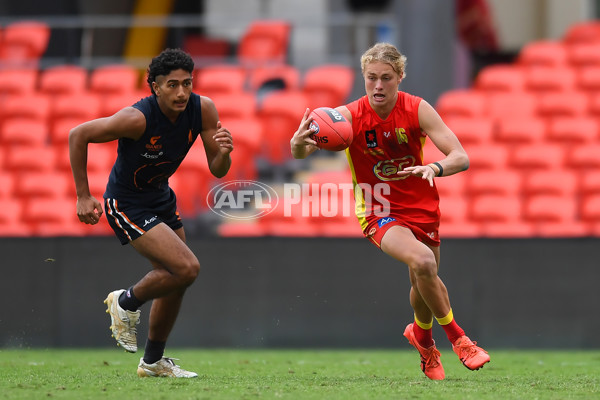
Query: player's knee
[189, 272]
[424, 266]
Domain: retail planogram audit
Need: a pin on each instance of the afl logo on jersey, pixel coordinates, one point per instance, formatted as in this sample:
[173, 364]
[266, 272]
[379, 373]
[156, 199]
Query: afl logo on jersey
[152, 146]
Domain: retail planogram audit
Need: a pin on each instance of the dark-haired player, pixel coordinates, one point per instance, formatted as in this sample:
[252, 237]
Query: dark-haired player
[154, 136]
[390, 128]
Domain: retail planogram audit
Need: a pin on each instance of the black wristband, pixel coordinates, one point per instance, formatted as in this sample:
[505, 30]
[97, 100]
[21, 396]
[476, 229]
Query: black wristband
[437, 164]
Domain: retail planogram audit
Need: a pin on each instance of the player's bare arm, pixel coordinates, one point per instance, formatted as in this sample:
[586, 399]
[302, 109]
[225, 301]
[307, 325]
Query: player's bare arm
[445, 140]
[301, 144]
[129, 123]
[218, 142]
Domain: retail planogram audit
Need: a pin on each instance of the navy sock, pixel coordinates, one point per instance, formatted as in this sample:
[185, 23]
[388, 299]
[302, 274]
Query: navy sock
[128, 301]
[154, 351]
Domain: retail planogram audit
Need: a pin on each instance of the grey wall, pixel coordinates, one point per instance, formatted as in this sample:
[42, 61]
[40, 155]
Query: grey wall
[279, 292]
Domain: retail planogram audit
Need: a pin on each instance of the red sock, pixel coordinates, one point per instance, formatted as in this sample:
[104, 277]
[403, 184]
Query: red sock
[423, 336]
[453, 331]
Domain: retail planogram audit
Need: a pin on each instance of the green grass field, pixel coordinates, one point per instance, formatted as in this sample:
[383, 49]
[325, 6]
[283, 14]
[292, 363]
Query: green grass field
[298, 374]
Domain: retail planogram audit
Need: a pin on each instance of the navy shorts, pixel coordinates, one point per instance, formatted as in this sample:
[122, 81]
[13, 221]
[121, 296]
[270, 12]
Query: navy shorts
[131, 218]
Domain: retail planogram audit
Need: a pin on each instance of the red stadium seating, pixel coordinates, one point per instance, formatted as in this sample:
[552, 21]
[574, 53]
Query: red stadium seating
[562, 104]
[63, 80]
[32, 106]
[584, 54]
[486, 156]
[280, 114]
[288, 75]
[557, 182]
[264, 42]
[220, 79]
[546, 53]
[493, 182]
[573, 130]
[519, 130]
[550, 79]
[24, 43]
[462, 103]
[501, 78]
[18, 81]
[235, 106]
[584, 157]
[583, 32]
[328, 85]
[544, 156]
[24, 131]
[115, 79]
[495, 208]
[471, 130]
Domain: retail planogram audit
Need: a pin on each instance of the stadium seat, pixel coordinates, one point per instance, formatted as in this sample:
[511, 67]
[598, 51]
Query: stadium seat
[517, 105]
[52, 217]
[191, 198]
[584, 157]
[101, 157]
[493, 182]
[199, 46]
[452, 186]
[453, 209]
[559, 104]
[584, 54]
[114, 79]
[557, 182]
[81, 105]
[32, 106]
[545, 156]
[280, 114]
[287, 76]
[590, 208]
[573, 130]
[594, 105]
[486, 156]
[264, 42]
[550, 208]
[550, 79]
[544, 53]
[219, 79]
[235, 106]
[460, 230]
[112, 103]
[476, 130]
[24, 131]
[18, 81]
[7, 184]
[63, 80]
[60, 128]
[588, 79]
[10, 219]
[328, 85]
[23, 43]
[42, 184]
[589, 182]
[519, 130]
[29, 158]
[489, 208]
[462, 103]
[248, 137]
[500, 78]
[582, 32]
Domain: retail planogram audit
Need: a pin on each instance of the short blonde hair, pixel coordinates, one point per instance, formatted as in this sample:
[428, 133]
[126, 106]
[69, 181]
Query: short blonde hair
[385, 53]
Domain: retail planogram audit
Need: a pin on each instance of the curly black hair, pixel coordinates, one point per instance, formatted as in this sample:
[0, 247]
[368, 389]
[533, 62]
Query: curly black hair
[169, 60]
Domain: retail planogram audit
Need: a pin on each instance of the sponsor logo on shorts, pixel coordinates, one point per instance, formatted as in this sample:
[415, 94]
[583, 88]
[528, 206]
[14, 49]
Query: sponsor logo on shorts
[384, 221]
[149, 221]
